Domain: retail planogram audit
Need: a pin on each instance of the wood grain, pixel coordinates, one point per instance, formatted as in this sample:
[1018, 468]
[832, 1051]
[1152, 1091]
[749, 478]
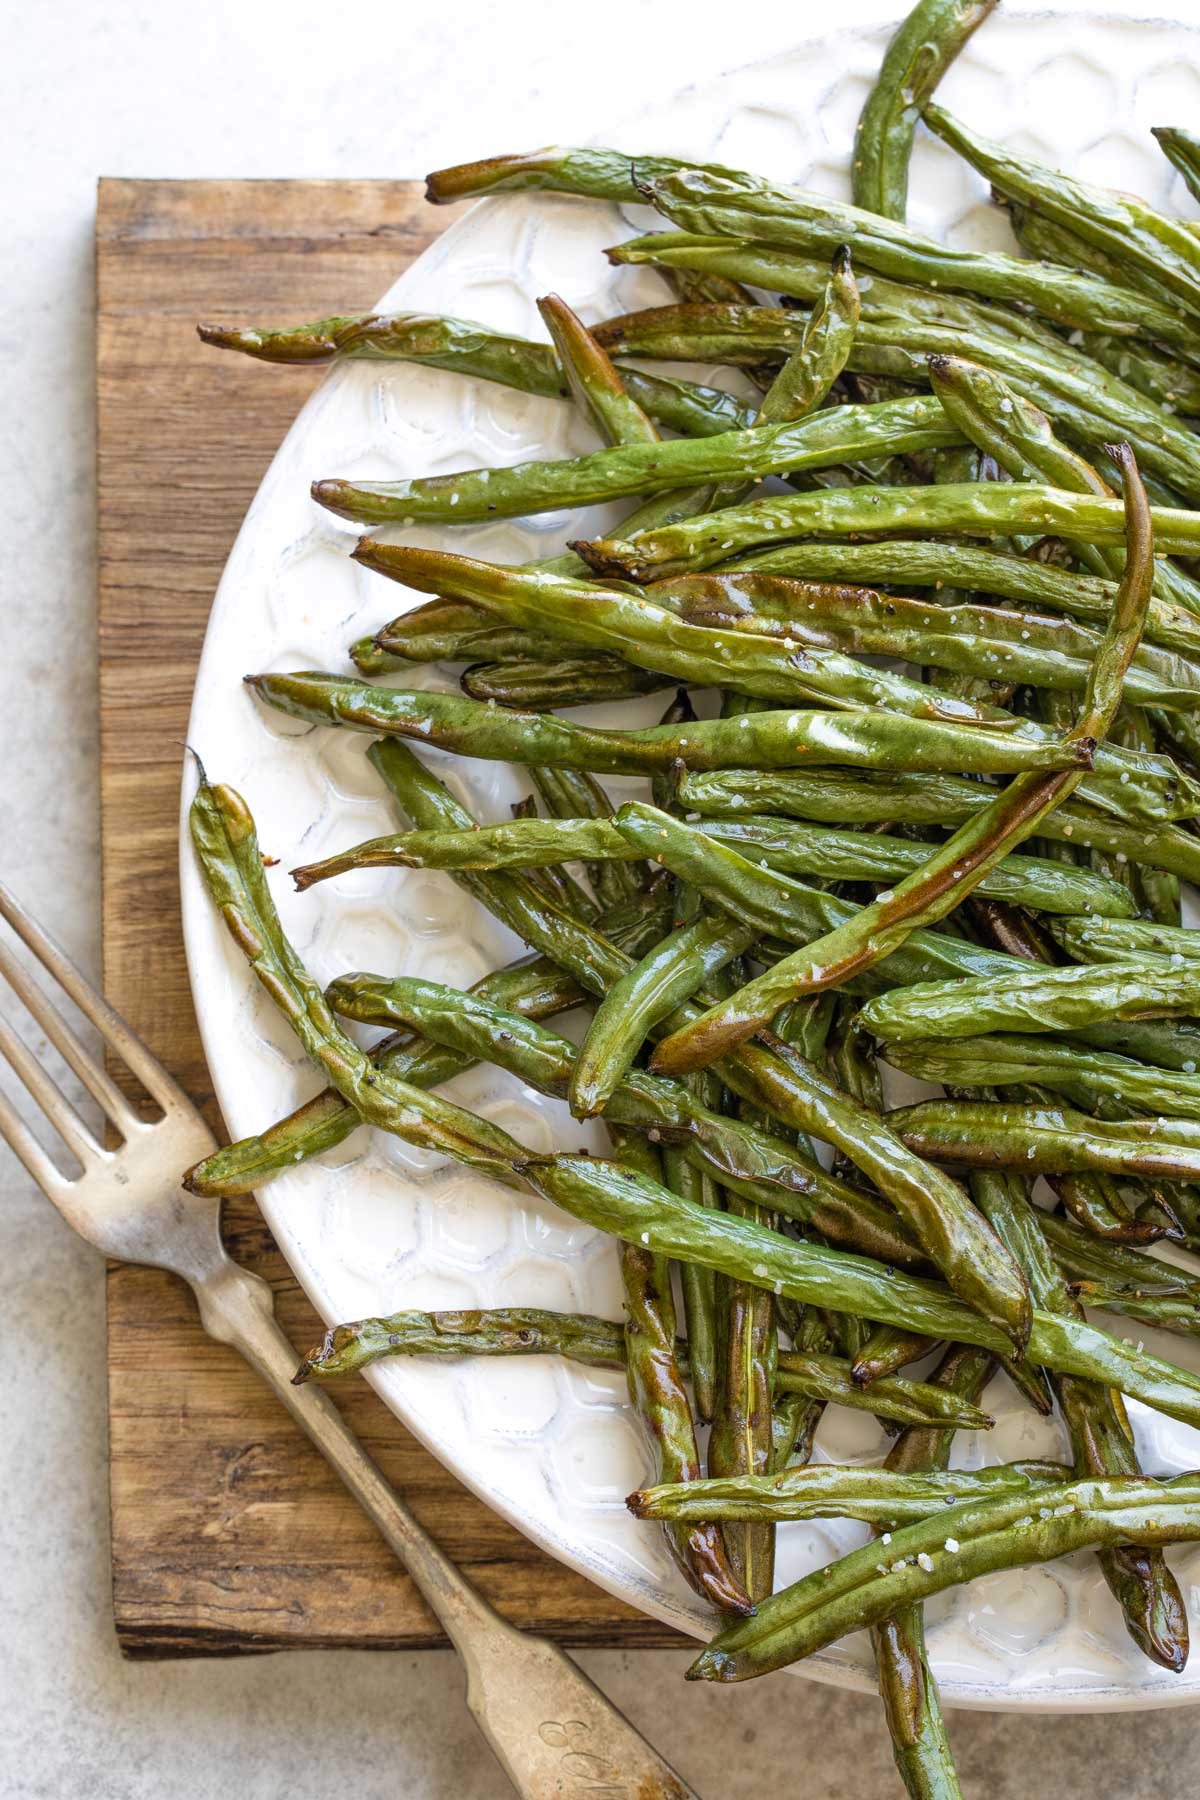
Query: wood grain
[229, 1533]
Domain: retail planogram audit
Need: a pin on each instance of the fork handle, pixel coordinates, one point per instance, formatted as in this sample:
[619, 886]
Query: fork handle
[551, 1728]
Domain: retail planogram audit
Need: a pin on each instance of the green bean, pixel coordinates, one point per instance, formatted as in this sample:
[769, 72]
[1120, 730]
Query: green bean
[819, 357]
[906, 1684]
[1126, 940]
[810, 223]
[501, 1331]
[849, 1060]
[582, 1338]
[768, 740]
[866, 797]
[1182, 150]
[794, 1424]
[1004, 424]
[887, 1350]
[1033, 1000]
[800, 277]
[875, 1496]
[742, 1441]
[836, 435]
[795, 390]
[225, 840]
[555, 930]
[652, 990]
[802, 1096]
[1156, 892]
[655, 1384]
[954, 867]
[620, 1202]
[224, 836]
[449, 631]
[1098, 1428]
[605, 618]
[978, 509]
[597, 389]
[828, 1378]
[1088, 401]
[1163, 1312]
[848, 1332]
[1050, 239]
[698, 1287]
[962, 1542]
[1047, 1140]
[1081, 1075]
[1179, 735]
[567, 681]
[806, 1025]
[993, 643]
[697, 286]
[594, 173]
[1164, 1044]
[1121, 225]
[941, 565]
[1086, 1260]
[727, 202]
[470, 349]
[1105, 1206]
[1174, 385]
[922, 49]
[758, 840]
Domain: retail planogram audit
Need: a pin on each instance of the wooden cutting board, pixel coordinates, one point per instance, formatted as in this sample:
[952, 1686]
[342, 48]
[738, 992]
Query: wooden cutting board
[229, 1533]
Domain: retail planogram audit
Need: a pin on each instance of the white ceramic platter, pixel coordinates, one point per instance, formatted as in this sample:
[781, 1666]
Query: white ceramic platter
[379, 1226]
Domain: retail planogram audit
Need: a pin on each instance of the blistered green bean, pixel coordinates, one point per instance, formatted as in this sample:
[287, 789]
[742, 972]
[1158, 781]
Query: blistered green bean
[1034, 1000]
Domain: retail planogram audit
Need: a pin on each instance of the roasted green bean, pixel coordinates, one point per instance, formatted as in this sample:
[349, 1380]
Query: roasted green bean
[837, 435]
[979, 509]
[1115, 939]
[962, 1542]
[1182, 149]
[768, 739]
[876, 1496]
[1049, 1140]
[1033, 1000]
[727, 202]
[1121, 225]
[471, 349]
[924, 46]
[1080, 1074]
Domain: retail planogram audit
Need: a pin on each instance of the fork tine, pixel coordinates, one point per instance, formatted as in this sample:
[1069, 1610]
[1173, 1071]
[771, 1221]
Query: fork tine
[108, 1022]
[53, 1102]
[38, 1162]
[95, 1079]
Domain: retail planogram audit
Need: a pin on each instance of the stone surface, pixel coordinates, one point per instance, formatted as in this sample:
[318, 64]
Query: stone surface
[138, 90]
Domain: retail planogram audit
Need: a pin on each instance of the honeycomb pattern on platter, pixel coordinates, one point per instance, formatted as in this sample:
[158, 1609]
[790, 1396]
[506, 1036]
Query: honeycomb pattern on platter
[379, 1225]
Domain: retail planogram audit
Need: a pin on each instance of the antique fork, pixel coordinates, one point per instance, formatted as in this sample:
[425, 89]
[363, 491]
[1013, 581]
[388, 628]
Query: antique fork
[554, 1733]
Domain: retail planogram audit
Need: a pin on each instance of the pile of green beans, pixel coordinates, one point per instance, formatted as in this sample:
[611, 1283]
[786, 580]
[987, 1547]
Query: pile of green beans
[921, 801]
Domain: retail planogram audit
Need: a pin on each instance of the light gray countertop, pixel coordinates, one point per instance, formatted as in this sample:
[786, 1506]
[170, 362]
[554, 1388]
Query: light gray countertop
[302, 89]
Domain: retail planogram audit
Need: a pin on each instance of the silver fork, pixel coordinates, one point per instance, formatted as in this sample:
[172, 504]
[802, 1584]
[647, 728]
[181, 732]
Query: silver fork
[554, 1733]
